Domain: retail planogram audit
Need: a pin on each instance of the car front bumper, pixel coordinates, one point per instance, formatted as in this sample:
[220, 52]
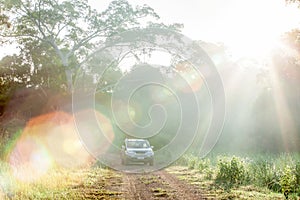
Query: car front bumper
[139, 158]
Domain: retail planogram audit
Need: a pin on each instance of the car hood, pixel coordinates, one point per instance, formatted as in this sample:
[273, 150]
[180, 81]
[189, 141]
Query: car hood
[139, 149]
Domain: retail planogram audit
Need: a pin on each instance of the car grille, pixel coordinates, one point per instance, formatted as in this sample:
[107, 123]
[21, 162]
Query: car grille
[140, 152]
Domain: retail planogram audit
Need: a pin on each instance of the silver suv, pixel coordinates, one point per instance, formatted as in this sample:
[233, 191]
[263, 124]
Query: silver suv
[137, 150]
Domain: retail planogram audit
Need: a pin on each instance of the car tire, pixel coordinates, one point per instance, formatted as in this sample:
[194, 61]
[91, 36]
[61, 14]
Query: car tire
[125, 162]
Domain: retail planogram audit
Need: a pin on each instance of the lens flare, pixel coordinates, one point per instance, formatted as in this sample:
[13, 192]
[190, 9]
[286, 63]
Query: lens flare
[6, 184]
[158, 89]
[1, 194]
[190, 75]
[46, 141]
[91, 128]
[29, 159]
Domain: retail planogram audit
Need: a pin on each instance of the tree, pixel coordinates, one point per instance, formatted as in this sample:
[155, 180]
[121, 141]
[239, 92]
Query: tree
[13, 74]
[293, 1]
[292, 37]
[71, 28]
[4, 20]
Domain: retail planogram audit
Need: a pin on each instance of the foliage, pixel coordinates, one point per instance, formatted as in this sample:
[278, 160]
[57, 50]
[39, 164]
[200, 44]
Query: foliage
[278, 173]
[288, 181]
[208, 173]
[202, 164]
[297, 174]
[4, 20]
[70, 29]
[293, 1]
[192, 162]
[231, 172]
[92, 183]
[55, 38]
[264, 174]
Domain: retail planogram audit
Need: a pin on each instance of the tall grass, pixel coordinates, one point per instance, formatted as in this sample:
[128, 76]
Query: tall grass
[278, 173]
[58, 183]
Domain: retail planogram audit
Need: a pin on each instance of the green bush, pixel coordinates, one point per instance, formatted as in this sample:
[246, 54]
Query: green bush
[192, 162]
[202, 164]
[264, 174]
[288, 181]
[297, 174]
[231, 172]
[279, 173]
[208, 173]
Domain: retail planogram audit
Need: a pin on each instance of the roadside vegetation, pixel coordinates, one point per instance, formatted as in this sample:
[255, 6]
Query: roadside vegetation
[93, 183]
[216, 177]
[57, 56]
[243, 177]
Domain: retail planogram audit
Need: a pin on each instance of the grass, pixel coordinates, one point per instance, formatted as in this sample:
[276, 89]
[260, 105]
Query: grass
[148, 180]
[212, 191]
[265, 176]
[159, 192]
[95, 183]
[259, 177]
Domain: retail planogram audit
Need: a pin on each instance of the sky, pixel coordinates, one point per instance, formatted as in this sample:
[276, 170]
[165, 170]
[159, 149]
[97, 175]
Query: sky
[247, 27]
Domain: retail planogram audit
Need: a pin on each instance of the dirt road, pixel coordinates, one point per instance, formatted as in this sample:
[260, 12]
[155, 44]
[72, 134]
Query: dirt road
[157, 185]
[144, 182]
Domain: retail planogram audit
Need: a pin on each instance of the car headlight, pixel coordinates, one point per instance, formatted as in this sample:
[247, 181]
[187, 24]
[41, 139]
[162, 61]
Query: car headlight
[130, 152]
[150, 153]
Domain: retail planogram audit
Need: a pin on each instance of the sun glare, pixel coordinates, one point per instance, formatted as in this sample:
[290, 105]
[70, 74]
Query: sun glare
[253, 28]
[51, 140]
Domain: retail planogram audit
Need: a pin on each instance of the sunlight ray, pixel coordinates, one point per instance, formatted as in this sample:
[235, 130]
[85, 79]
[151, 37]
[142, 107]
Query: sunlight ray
[286, 122]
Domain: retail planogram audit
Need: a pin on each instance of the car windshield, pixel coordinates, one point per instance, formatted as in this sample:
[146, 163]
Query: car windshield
[137, 144]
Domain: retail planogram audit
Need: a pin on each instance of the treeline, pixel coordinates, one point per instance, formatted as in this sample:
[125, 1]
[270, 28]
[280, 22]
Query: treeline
[263, 109]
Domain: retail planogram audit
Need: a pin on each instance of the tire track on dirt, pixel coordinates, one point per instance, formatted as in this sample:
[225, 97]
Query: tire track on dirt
[158, 185]
[133, 189]
[180, 189]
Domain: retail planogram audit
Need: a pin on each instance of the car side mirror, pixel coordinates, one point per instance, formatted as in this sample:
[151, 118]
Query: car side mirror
[152, 147]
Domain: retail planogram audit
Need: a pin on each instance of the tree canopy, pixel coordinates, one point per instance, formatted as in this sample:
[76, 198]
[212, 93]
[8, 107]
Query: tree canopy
[55, 37]
[69, 30]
